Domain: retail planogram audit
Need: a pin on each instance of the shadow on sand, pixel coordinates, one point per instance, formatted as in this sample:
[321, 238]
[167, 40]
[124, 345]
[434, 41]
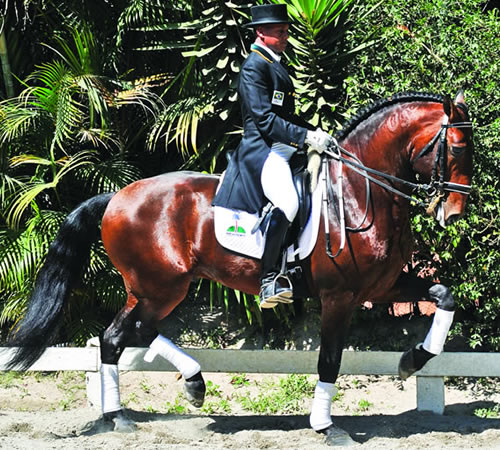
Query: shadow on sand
[458, 418]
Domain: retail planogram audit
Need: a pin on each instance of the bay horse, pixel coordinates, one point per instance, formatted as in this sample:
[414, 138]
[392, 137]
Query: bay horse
[159, 233]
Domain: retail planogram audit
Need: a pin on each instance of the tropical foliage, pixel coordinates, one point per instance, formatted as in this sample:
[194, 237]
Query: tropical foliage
[63, 139]
[103, 93]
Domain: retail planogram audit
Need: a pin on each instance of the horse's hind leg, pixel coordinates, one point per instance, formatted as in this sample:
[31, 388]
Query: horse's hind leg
[113, 341]
[194, 385]
[131, 325]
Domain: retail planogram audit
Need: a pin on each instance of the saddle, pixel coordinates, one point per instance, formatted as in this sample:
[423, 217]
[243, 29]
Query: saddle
[245, 233]
[302, 182]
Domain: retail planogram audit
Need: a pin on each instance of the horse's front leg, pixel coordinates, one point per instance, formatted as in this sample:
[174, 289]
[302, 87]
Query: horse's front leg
[415, 289]
[410, 288]
[336, 316]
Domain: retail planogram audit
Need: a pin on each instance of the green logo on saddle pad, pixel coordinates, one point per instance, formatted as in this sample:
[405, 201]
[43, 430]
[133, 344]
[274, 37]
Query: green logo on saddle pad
[236, 229]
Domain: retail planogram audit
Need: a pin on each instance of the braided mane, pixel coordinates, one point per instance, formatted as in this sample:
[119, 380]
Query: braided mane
[366, 112]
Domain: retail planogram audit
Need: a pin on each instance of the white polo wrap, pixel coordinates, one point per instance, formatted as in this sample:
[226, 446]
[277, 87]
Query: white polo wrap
[436, 337]
[164, 347]
[110, 388]
[320, 411]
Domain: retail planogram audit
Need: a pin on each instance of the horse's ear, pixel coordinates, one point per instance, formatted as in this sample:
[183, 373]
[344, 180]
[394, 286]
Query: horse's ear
[460, 98]
[447, 105]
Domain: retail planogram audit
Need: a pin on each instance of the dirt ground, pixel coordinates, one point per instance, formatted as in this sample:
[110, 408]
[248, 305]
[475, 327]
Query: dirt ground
[47, 411]
[50, 411]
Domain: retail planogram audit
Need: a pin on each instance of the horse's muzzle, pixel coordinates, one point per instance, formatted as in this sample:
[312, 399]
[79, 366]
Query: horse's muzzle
[446, 217]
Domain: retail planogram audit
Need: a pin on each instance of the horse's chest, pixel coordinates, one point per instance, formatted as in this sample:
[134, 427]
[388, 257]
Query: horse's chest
[384, 248]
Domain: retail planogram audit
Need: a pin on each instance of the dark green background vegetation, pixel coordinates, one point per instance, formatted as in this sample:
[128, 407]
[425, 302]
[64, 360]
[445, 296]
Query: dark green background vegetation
[106, 92]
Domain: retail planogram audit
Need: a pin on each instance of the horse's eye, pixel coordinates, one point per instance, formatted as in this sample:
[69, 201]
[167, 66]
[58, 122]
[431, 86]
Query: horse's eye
[456, 150]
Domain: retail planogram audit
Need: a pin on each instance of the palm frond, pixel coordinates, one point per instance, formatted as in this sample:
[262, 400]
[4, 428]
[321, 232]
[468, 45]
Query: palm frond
[16, 120]
[20, 257]
[28, 192]
[182, 117]
[8, 185]
[23, 200]
[12, 306]
[100, 138]
[82, 61]
[45, 223]
[107, 176]
[139, 14]
[110, 291]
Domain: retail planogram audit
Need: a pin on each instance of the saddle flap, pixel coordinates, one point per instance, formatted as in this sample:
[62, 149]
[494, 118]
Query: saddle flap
[302, 182]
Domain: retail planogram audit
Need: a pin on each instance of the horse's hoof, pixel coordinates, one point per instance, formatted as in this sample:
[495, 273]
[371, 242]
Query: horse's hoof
[194, 390]
[413, 360]
[406, 365]
[120, 421]
[337, 437]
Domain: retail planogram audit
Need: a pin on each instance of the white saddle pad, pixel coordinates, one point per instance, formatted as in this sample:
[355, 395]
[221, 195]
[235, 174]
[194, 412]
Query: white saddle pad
[233, 230]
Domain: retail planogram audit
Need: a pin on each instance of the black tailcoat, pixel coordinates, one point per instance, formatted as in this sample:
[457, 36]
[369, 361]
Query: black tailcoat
[267, 104]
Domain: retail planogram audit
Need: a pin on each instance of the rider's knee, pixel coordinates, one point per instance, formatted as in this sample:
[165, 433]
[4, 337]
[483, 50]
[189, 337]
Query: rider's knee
[443, 297]
[292, 207]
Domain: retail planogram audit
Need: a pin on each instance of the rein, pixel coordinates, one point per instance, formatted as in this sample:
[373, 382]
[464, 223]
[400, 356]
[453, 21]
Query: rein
[435, 189]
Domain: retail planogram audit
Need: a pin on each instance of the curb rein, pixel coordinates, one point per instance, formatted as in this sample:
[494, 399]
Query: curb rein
[436, 189]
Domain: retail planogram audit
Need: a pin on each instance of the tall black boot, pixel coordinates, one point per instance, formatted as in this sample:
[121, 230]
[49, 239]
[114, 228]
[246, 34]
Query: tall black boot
[275, 288]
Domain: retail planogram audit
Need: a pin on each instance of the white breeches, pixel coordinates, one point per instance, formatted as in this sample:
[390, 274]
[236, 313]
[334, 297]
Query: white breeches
[277, 184]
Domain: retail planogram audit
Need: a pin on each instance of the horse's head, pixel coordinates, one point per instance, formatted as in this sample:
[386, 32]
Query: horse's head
[446, 162]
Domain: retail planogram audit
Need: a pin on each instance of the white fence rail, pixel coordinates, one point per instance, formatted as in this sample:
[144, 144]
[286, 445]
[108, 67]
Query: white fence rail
[430, 380]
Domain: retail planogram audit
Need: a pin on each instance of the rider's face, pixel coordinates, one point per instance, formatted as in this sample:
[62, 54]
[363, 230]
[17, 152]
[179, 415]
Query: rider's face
[274, 36]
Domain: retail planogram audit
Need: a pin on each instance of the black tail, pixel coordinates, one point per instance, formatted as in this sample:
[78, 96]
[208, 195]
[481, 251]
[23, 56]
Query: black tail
[63, 267]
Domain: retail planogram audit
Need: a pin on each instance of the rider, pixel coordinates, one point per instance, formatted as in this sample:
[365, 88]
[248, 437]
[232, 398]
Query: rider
[259, 170]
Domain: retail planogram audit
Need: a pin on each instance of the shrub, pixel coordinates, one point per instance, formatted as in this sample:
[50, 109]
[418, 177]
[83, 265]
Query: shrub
[443, 46]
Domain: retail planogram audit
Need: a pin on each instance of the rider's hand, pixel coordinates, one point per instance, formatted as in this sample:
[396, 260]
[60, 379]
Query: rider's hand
[318, 140]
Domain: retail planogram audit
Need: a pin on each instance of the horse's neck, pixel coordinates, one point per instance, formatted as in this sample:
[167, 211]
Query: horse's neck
[385, 142]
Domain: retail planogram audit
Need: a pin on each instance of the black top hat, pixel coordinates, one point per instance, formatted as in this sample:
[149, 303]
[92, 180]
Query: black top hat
[268, 14]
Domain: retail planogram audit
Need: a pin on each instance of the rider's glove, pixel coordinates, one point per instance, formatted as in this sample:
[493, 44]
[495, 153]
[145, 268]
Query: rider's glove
[318, 140]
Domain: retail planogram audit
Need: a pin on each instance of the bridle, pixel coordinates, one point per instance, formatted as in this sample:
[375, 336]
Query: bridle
[435, 190]
[440, 186]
